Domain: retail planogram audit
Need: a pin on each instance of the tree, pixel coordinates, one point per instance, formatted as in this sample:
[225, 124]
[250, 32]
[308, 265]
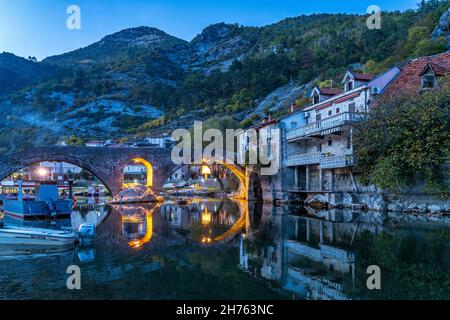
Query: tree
[406, 142]
[430, 47]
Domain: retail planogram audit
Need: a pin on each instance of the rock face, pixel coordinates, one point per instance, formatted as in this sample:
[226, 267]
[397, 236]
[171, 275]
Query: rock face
[219, 45]
[318, 202]
[281, 98]
[443, 29]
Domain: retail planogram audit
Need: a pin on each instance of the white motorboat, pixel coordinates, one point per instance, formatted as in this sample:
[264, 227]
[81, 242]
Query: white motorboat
[36, 236]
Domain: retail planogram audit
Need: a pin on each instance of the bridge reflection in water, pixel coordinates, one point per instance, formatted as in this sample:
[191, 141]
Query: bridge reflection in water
[182, 251]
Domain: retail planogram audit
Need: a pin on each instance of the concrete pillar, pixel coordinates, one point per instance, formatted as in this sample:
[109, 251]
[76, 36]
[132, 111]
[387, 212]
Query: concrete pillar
[308, 230]
[296, 177]
[307, 183]
[331, 226]
[332, 180]
[320, 179]
[321, 231]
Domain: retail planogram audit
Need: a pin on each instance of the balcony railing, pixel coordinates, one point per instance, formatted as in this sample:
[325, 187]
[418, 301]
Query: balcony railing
[325, 124]
[337, 162]
[324, 162]
[303, 159]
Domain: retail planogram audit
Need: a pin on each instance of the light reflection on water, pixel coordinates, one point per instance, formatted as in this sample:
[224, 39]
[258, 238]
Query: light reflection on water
[208, 249]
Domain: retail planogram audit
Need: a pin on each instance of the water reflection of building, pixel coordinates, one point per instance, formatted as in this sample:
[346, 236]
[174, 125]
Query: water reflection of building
[311, 258]
[203, 219]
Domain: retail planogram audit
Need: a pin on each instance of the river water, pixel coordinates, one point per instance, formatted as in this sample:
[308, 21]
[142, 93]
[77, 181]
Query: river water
[221, 249]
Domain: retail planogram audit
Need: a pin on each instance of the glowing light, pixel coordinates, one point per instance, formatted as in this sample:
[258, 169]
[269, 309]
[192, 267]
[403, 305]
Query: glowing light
[148, 166]
[206, 217]
[206, 240]
[42, 172]
[206, 170]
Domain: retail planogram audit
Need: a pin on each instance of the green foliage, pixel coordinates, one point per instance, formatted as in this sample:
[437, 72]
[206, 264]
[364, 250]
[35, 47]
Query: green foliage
[406, 141]
[150, 125]
[246, 123]
[429, 47]
[74, 141]
[303, 49]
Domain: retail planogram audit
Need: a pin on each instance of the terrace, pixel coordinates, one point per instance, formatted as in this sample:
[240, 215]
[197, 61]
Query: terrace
[322, 127]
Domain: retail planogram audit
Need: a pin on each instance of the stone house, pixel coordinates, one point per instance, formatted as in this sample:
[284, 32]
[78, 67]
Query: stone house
[318, 145]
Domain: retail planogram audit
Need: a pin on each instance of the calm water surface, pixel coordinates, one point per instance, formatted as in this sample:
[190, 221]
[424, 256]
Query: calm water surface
[221, 249]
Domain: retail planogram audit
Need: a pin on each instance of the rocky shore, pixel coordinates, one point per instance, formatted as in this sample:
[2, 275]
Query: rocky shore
[406, 207]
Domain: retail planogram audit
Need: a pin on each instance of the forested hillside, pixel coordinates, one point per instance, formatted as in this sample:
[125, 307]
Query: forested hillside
[143, 79]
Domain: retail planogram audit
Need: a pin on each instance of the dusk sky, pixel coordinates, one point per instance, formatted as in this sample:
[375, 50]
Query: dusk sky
[38, 27]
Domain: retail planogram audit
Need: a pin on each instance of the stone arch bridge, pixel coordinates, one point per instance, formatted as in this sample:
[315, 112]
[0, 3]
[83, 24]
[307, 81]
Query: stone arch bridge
[107, 164]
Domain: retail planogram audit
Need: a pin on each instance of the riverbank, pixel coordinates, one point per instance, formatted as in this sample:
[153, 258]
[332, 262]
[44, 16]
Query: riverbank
[399, 207]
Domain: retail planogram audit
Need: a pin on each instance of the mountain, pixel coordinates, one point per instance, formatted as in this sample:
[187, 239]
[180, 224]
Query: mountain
[147, 52]
[16, 72]
[141, 79]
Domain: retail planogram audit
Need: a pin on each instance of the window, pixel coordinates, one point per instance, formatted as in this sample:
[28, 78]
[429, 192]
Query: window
[316, 98]
[350, 86]
[428, 81]
[338, 110]
[319, 147]
[349, 142]
[330, 143]
[330, 112]
[352, 107]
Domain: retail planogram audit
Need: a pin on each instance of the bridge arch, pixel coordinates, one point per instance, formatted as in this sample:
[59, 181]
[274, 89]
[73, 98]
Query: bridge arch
[148, 166]
[107, 164]
[75, 163]
[239, 172]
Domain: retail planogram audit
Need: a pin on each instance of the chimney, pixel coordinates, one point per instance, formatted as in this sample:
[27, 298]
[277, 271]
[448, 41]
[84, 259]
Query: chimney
[292, 108]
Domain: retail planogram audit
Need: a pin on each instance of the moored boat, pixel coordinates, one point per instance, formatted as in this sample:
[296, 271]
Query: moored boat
[45, 204]
[36, 236]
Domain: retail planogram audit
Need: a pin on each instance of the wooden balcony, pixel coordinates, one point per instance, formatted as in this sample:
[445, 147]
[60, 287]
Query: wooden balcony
[317, 128]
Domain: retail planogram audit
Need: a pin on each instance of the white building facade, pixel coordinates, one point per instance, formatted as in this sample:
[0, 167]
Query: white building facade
[319, 139]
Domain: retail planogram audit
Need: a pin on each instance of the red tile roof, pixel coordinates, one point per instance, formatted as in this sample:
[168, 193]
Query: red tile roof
[439, 70]
[339, 100]
[363, 76]
[330, 91]
[409, 79]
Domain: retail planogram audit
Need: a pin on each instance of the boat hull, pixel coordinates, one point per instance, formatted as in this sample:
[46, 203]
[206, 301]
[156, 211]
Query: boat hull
[33, 217]
[28, 237]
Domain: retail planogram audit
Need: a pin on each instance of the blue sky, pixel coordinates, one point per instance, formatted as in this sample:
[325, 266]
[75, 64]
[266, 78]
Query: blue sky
[38, 27]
